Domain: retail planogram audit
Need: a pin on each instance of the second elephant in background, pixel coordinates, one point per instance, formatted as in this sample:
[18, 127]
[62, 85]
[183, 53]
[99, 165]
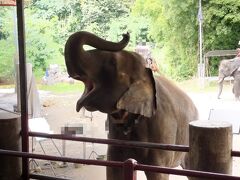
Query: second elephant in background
[229, 67]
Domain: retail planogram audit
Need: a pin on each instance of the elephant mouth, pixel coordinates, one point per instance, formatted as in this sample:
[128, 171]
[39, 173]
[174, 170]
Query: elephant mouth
[89, 89]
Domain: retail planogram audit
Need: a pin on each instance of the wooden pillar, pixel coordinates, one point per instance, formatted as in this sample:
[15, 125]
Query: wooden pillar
[210, 147]
[10, 167]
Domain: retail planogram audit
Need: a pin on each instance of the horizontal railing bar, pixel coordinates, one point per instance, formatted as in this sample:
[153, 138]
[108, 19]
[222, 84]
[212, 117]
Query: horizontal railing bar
[139, 167]
[235, 153]
[184, 172]
[63, 159]
[44, 177]
[114, 142]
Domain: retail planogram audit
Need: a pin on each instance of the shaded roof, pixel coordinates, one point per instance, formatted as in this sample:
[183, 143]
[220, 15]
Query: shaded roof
[218, 53]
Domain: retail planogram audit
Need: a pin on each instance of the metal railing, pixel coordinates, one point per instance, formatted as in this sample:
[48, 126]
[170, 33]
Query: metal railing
[129, 166]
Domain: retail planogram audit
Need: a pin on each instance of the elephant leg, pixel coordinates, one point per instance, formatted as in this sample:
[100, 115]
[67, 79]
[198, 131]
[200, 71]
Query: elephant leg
[115, 154]
[236, 86]
[156, 176]
[159, 158]
[114, 173]
[185, 161]
[220, 89]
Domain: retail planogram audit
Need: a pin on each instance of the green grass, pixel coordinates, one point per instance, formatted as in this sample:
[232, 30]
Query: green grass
[7, 86]
[192, 85]
[62, 87]
[55, 88]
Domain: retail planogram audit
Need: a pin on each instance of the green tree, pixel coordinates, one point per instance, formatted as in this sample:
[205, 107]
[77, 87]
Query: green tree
[65, 16]
[97, 15]
[174, 28]
[134, 25]
[3, 32]
[41, 49]
[7, 60]
[7, 44]
[221, 24]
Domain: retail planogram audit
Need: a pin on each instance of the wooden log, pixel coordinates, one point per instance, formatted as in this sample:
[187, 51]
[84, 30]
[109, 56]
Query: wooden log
[10, 167]
[210, 147]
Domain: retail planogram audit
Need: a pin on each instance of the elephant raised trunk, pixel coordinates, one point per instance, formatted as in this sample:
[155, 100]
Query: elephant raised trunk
[77, 58]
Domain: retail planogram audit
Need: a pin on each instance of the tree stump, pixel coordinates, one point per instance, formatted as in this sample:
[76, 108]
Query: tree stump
[10, 167]
[210, 147]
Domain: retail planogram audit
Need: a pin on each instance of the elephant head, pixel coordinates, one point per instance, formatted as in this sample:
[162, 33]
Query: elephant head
[227, 68]
[114, 79]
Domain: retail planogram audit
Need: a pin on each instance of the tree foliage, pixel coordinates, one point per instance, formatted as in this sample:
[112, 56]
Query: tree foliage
[41, 48]
[170, 27]
[174, 28]
[221, 24]
[98, 15]
[7, 44]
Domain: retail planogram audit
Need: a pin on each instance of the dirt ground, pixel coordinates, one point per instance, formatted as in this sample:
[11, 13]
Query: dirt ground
[59, 111]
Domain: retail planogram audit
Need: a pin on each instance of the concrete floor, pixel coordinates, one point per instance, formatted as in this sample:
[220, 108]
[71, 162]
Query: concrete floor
[59, 110]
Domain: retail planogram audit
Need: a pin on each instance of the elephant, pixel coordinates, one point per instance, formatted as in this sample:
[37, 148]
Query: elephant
[228, 67]
[140, 107]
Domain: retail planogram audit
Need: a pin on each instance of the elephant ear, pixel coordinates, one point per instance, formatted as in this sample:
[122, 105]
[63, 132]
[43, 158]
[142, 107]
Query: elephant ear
[140, 98]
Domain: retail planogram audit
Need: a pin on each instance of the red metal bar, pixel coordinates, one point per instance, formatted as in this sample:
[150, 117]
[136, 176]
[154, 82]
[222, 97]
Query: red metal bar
[184, 172]
[43, 177]
[136, 144]
[129, 169]
[140, 167]
[136, 166]
[7, 4]
[235, 153]
[23, 85]
[63, 159]
[115, 142]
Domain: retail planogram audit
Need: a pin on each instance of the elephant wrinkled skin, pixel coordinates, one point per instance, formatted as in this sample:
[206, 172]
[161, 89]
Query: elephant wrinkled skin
[140, 107]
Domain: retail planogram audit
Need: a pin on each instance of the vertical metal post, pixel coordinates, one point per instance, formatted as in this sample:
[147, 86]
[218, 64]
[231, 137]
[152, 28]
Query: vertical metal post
[200, 19]
[23, 85]
[129, 171]
[201, 61]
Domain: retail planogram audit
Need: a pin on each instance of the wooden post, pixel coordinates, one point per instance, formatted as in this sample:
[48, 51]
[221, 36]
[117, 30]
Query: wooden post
[210, 147]
[10, 167]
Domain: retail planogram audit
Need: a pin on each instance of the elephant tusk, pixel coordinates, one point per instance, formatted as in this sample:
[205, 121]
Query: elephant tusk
[220, 80]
